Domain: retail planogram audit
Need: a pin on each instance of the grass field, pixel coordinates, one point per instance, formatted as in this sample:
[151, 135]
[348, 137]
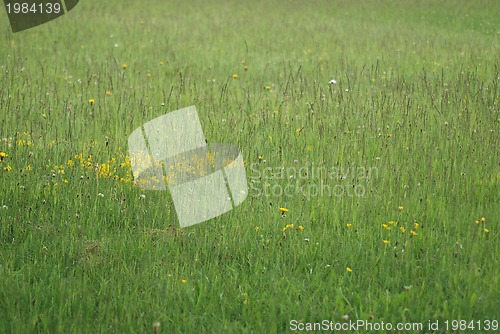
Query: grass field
[390, 173]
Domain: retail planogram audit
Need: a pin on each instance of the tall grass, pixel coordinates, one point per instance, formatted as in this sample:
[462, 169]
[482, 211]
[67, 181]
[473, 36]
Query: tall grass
[411, 124]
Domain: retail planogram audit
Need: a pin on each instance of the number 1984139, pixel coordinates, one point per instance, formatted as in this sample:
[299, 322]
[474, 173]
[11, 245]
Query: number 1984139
[34, 8]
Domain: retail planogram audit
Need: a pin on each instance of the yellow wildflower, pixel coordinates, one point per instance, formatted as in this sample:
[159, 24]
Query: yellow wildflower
[349, 270]
[124, 66]
[386, 241]
[486, 230]
[301, 227]
[413, 233]
[235, 76]
[283, 210]
[349, 225]
[91, 101]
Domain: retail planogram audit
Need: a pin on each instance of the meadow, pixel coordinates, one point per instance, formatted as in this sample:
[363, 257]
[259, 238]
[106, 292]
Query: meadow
[370, 136]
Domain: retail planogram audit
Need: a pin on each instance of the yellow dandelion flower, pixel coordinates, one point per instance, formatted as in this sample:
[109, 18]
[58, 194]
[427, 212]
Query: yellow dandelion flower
[486, 230]
[309, 148]
[268, 87]
[257, 229]
[483, 219]
[104, 170]
[477, 222]
[386, 241]
[349, 270]
[403, 230]
[91, 101]
[124, 66]
[235, 76]
[400, 208]
[245, 68]
[261, 157]
[301, 227]
[349, 225]
[7, 168]
[283, 210]
[28, 167]
[413, 233]
[108, 92]
[184, 281]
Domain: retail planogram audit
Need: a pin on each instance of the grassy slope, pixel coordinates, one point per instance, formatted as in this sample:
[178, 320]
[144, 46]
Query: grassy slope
[416, 98]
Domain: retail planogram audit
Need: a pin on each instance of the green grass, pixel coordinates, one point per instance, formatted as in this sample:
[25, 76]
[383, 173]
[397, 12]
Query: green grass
[416, 102]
